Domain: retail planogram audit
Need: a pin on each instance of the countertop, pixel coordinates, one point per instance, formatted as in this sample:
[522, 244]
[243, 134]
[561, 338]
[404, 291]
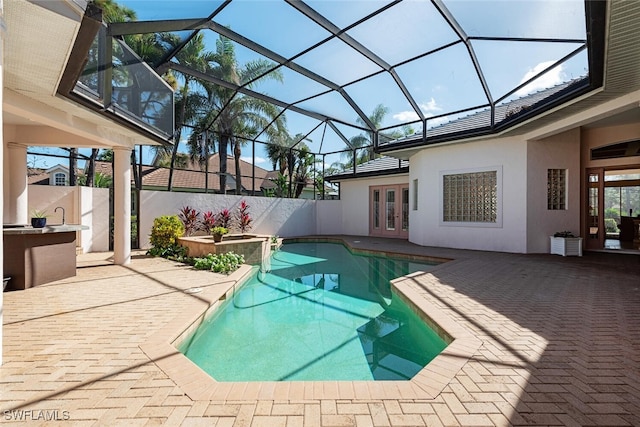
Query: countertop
[55, 228]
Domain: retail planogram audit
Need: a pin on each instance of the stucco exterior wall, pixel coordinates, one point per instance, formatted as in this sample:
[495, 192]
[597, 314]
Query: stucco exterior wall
[48, 197]
[354, 194]
[274, 216]
[600, 137]
[94, 212]
[329, 217]
[82, 205]
[560, 151]
[508, 156]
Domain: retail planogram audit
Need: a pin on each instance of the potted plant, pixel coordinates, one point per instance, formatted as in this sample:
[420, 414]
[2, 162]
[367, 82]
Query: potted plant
[38, 218]
[218, 232]
[565, 243]
[274, 243]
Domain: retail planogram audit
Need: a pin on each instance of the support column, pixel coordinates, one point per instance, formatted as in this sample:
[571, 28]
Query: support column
[3, 31]
[18, 190]
[121, 205]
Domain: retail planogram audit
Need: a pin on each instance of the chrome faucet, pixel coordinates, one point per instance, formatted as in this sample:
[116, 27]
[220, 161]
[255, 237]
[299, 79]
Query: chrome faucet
[56, 209]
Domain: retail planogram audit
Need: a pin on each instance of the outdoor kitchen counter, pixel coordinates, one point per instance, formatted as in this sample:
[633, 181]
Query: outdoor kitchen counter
[35, 256]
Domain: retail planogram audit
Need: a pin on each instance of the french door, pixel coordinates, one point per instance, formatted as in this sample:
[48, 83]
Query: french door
[389, 210]
[594, 209]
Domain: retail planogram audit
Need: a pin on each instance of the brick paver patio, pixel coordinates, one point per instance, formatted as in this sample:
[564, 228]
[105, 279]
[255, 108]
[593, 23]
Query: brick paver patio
[560, 345]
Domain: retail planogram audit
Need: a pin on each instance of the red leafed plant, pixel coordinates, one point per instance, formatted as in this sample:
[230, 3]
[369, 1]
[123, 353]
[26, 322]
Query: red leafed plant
[190, 218]
[223, 219]
[243, 217]
[208, 220]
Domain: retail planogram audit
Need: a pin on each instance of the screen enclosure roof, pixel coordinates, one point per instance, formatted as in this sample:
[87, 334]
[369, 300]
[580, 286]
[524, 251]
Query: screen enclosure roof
[384, 70]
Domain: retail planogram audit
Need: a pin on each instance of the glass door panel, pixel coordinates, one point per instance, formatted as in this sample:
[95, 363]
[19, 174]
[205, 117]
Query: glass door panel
[375, 207]
[405, 209]
[390, 209]
[594, 222]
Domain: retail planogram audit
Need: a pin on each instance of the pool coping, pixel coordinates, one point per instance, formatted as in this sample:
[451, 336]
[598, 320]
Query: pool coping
[161, 348]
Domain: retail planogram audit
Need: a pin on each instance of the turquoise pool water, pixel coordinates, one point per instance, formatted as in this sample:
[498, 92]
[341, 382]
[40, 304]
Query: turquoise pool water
[320, 313]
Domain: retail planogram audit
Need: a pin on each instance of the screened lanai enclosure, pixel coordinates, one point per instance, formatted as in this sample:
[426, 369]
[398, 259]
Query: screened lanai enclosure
[305, 89]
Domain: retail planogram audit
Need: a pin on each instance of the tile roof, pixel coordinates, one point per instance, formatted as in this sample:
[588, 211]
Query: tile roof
[192, 177]
[504, 113]
[384, 165]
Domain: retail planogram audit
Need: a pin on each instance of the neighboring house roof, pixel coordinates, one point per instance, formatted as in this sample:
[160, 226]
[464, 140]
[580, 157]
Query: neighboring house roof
[384, 165]
[40, 176]
[58, 167]
[193, 178]
[37, 176]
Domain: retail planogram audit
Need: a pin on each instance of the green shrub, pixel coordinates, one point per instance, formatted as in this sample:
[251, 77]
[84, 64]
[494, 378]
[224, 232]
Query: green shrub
[611, 225]
[219, 263]
[165, 231]
[173, 252]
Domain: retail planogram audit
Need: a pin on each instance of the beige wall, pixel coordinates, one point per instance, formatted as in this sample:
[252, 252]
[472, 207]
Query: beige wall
[600, 137]
[560, 151]
[508, 157]
[82, 205]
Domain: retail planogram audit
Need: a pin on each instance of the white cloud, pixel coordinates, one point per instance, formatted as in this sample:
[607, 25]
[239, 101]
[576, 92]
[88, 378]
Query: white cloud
[406, 116]
[249, 159]
[547, 80]
[430, 106]
[427, 108]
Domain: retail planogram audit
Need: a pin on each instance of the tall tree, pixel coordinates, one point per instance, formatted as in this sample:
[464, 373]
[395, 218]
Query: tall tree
[235, 118]
[364, 142]
[190, 95]
[92, 167]
[114, 12]
[303, 160]
[278, 149]
[73, 166]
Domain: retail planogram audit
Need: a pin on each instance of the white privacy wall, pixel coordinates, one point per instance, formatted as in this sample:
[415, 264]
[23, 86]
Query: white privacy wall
[94, 212]
[82, 205]
[508, 155]
[274, 216]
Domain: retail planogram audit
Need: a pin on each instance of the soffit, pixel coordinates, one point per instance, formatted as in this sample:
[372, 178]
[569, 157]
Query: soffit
[38, 41]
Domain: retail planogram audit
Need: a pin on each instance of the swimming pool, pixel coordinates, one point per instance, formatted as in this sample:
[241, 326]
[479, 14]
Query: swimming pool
[320, 313]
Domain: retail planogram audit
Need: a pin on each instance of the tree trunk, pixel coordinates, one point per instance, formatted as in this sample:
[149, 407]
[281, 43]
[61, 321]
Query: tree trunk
[134, 168]
[176, 143]
[224, 142]
[174, 153]
[237, 152]
[73, 166]
[91, 169]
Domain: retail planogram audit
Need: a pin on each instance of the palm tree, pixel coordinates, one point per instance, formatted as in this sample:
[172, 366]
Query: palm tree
[114, 12]
[189, 101]
[235, 118]
[303, 162]
[364, 142]
[278, 149]
[73, 166]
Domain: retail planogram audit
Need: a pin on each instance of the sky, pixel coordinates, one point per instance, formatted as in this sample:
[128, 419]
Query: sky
[442, 82]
